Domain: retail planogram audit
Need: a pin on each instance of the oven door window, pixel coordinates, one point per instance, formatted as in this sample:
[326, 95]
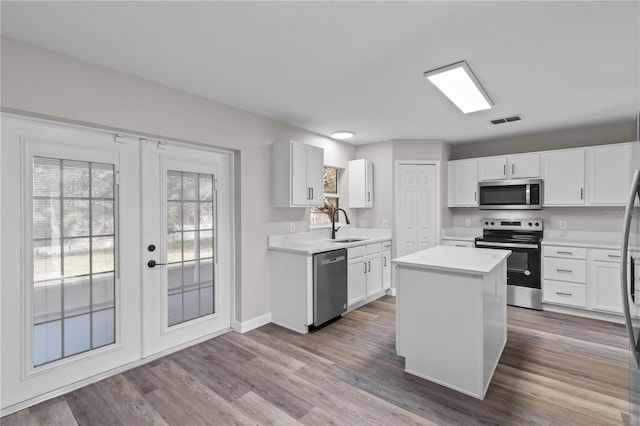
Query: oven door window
[523, 268]
[503, 195]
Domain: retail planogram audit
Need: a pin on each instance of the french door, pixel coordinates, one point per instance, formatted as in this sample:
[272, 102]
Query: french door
[186, 241]
[84, 214]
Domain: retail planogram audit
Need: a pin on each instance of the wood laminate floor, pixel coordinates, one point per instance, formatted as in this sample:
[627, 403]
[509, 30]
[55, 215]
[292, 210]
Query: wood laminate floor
[556, 369]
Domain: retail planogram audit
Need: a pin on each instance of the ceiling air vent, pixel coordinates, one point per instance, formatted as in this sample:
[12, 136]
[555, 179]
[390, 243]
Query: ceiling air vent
[506, 119]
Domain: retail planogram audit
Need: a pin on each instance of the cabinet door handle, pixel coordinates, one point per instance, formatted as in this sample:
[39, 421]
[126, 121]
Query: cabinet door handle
[569, 271]
[369, 263]
[582, 193]
[513, 169]
[559, 293]
[504, 170]
[614, 256]
[475, 196]
[368, 196]
[565, 252]
[460, 245]
[385, 261]
[311, 193]
[365, 267]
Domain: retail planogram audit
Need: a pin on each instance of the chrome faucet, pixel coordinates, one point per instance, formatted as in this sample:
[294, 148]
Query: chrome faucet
[333, 222]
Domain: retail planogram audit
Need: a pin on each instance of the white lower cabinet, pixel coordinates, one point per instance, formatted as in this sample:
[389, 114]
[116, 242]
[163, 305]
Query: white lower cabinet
[457, 243]
[386, 265]
[568, 281]
[604, 281]
[364, 280]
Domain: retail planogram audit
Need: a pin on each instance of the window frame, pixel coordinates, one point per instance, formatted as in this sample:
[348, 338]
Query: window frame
[339, 173]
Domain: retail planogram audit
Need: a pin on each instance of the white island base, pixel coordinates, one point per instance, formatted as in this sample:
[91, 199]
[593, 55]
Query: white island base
[451, 313]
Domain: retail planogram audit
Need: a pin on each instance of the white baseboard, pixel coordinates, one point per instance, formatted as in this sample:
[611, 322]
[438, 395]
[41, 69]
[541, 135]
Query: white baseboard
[245, 326]
[602, 316]
[391, 291]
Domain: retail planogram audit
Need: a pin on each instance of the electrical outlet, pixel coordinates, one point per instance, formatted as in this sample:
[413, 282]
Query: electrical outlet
[363, 223]
[562, 224]
[467, 222]
[385, 223]
[292, 227]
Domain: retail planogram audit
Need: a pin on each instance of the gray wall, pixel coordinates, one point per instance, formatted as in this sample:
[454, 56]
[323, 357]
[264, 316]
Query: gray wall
[41, 83]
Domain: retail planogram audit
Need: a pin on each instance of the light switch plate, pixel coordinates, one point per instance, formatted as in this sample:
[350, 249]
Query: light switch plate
[562, 224]
[467, 222]
[292, 227]
[385, 223]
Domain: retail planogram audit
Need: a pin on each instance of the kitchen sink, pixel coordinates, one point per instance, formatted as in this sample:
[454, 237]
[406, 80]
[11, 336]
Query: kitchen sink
[348, 240]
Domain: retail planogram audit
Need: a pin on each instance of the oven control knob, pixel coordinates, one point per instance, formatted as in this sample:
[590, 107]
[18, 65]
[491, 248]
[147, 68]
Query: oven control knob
[537, 224]
[492, 223]
[530, 224]
[486, 223]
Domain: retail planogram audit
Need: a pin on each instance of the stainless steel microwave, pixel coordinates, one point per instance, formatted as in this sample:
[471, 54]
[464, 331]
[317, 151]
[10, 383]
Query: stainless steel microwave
[518, 194]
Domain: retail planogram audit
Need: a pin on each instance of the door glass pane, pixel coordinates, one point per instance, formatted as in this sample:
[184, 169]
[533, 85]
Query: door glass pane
[190, 238]
[73, 257]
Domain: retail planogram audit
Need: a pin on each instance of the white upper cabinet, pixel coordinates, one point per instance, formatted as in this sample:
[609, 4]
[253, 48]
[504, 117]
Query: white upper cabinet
[509, 167]
[563, 174]
[463, 183]
[296, 175]
[609, 174]
[492, 168]
[360, 183]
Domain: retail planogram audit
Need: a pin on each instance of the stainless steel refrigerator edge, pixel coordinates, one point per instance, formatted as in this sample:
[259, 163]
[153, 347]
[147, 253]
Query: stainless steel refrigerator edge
[629, 264]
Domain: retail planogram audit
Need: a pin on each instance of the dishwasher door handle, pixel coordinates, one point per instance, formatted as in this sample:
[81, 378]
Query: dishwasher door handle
[334, 260]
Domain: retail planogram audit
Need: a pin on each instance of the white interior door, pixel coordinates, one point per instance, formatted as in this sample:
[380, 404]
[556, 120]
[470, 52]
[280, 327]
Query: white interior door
[70, 293]
[186, 245]
[416, 213]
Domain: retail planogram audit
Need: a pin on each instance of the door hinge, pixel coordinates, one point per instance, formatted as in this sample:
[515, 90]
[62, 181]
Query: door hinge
[117, 177]
[118, 138]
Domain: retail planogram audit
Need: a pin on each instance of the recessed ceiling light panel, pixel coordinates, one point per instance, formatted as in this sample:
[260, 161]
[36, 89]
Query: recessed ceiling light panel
[342, 134]
[460, 85]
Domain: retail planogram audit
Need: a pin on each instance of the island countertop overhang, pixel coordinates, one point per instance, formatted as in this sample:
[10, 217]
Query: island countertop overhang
[466, 260]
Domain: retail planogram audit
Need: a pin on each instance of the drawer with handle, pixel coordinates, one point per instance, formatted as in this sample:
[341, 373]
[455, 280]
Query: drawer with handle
[567, 252]
[605, 255]
[565, 293]
[565, 270]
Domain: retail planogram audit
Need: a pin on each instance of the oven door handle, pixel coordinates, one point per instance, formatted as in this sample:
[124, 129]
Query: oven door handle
[507, 245]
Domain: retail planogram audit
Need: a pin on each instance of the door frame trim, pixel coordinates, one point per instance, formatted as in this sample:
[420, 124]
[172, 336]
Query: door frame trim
[438, 218]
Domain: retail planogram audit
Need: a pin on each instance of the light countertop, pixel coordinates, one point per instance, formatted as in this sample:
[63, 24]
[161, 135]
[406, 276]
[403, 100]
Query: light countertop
[461, 234]
[587, 239]
[308, 243]
[455, 259]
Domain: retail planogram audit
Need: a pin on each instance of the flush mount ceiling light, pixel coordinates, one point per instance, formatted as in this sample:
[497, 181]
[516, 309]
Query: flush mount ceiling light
[342, 134]
[461, 86]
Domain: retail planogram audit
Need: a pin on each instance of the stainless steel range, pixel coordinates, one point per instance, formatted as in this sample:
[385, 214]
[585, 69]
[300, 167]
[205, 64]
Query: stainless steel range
[523, 238]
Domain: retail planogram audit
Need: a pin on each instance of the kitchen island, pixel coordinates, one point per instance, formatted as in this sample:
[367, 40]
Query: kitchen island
[451, 315]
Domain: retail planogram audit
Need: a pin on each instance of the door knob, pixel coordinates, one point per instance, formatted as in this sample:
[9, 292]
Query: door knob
[153, 263]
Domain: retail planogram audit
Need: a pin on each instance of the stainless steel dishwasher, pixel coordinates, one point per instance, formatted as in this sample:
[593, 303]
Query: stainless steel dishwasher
[329, 285]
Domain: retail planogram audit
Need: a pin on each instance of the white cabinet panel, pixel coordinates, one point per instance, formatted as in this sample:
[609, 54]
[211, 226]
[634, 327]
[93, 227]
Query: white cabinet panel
[360, 183]
[563, 173]
[604, 282]
[463, 183]
[374, 275]
[609, 174]
[356, 281]
[457, 243]
[565, 293]
[491, 168]
[509, 167]
[524, 166]
[296, 175]
[386, 265]
[565, 269]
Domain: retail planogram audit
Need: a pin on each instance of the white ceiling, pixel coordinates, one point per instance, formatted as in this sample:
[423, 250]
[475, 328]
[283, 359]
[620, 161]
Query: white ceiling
[327, 66]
